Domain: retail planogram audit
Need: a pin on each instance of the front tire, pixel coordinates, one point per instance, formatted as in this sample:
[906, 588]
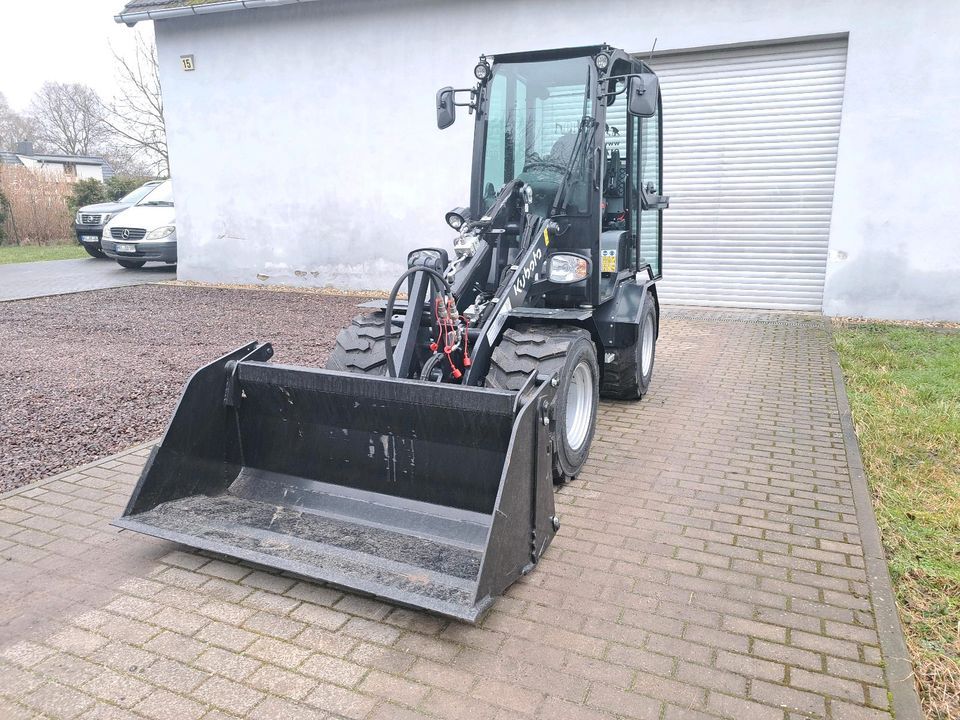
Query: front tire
[360, 347]
[571, 353]
[94, 251]
[132, 264]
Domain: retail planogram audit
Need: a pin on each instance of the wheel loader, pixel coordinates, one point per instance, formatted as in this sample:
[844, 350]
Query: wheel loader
[419, 466]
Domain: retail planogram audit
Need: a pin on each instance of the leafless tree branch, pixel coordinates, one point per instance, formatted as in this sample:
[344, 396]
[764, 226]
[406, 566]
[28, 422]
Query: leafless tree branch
[68, 118]
[135, 115]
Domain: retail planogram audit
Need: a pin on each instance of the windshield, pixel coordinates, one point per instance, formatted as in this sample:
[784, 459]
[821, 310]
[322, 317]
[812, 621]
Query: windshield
[135, 196]
[162, 195]
[535, 113]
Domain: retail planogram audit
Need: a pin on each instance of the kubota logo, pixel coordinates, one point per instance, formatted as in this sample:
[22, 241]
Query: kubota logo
[528, 271]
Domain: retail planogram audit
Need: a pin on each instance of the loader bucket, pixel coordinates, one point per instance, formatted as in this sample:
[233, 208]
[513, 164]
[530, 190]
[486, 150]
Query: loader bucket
[428, 495]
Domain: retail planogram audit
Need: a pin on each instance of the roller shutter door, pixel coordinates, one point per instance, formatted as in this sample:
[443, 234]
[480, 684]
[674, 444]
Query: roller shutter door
[750, 152]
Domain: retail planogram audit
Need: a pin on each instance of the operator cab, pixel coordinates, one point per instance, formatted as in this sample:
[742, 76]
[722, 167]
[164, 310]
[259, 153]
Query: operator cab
[580, 128]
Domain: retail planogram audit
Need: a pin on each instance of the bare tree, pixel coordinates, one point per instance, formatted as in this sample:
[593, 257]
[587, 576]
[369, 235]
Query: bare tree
[14, 127]
[127, 161]
[135, 115]
[68, 118]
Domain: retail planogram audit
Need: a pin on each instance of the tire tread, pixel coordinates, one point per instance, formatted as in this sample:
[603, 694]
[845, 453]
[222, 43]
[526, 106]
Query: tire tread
[527, 348]
[360, 347]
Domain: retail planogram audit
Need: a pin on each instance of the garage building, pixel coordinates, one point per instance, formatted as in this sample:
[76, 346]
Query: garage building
[809, 147]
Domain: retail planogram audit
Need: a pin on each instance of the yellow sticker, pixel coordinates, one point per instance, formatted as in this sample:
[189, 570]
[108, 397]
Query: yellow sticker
[546, 238]
[608, 261]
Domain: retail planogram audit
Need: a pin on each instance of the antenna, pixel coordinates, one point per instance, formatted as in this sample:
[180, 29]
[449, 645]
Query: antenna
[651, 50]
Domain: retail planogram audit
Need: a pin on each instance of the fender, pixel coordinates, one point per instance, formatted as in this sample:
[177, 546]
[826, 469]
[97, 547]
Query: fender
[617, 320]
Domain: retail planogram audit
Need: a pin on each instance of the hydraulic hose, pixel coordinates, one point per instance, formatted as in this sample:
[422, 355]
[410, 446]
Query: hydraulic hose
[430, 364]
[437, 280]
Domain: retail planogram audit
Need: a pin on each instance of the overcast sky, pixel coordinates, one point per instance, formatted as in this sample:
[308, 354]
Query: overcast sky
[63, 41]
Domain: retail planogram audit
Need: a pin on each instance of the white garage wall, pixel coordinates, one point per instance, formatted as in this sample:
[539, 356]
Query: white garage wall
[305, 149]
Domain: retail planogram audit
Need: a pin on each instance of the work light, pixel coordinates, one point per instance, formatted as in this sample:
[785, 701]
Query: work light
[602, 61]
[482, 70]
[457, 217]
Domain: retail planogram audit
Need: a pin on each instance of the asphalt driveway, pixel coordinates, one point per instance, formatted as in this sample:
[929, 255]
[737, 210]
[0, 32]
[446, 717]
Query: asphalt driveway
[19, 281]
[715, 560]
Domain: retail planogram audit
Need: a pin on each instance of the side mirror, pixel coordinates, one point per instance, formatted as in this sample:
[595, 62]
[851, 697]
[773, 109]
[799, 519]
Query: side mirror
[642, 93]
[446, 110]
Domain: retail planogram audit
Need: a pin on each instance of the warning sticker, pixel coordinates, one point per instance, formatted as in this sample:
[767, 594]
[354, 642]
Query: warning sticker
[608, 261]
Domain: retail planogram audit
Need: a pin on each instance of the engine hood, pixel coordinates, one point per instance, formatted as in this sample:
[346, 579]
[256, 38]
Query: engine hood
[148, 217]
[107, 207]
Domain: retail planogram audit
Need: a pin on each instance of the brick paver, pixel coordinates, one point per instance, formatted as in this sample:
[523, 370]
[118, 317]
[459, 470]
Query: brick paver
[709, 565]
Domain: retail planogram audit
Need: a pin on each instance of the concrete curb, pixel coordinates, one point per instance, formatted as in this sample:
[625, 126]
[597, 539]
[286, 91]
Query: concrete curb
[78, 292]
[898, 666]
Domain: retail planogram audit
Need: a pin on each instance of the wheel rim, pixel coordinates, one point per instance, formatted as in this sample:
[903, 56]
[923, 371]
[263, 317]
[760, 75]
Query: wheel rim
[579, 406]
[646, 346]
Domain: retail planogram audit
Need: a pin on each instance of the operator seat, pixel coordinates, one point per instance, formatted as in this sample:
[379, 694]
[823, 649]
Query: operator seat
[563, 148]
[614, 181]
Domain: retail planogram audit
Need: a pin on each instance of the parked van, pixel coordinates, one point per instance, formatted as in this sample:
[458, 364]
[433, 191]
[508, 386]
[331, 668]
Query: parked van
[144, 233]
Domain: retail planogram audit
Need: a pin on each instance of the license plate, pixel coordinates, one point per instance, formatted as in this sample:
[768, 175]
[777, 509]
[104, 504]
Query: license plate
[126, 248]
[89, 238]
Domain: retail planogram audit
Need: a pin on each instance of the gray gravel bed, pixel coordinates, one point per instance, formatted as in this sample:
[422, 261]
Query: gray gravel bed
[83, 376]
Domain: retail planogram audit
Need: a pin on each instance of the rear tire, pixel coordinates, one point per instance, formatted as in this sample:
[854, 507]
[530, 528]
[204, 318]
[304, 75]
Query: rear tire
[94, 251]
[571, 353]
[628, 375]
[132, 264]
[360, 347]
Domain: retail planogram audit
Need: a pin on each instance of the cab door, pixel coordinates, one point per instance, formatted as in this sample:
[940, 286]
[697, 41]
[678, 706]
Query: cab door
[647, 201]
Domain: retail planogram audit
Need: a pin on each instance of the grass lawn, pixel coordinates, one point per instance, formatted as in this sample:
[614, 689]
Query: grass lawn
[904, 389]
[32, 253]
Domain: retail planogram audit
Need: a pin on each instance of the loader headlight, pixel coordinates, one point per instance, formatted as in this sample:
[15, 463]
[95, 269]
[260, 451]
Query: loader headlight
[602, 61]
[567, 268]
[458, 217]
[160, 232]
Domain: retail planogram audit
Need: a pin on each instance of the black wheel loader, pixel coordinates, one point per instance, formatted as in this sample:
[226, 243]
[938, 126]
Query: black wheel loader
[420, 465]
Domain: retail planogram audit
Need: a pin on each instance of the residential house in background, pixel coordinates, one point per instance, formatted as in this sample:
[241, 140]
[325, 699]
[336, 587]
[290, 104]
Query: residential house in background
[74, 167]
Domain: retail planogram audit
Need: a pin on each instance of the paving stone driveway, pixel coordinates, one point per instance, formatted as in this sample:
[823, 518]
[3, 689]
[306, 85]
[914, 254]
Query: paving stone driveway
[709, 564]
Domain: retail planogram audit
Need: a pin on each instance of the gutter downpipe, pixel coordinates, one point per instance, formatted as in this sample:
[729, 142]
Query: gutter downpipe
[132, 18]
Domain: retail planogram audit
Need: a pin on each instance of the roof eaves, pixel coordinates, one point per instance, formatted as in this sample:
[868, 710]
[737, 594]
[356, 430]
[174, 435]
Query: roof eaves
[132, 15]
[72, 159]
[9, 158]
